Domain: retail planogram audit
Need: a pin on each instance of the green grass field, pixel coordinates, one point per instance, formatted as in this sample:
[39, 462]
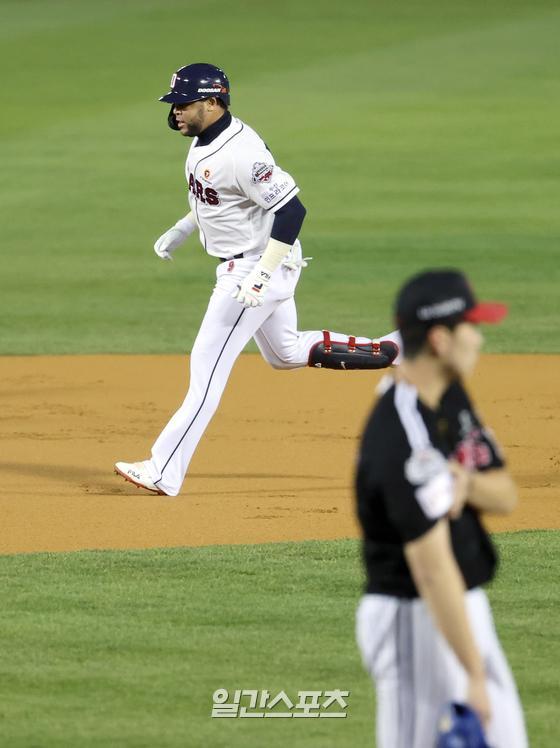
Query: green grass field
[420, 134]
[127, 649]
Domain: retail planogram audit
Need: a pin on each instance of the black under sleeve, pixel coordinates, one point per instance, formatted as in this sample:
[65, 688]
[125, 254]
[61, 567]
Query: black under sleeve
[287, 221]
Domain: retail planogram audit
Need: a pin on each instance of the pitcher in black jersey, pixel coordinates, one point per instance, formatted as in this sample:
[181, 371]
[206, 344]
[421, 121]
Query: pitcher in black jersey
[427, 469]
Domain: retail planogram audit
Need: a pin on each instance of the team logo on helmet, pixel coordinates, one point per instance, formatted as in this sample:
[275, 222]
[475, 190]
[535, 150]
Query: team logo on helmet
[262, 172]
[173, 80]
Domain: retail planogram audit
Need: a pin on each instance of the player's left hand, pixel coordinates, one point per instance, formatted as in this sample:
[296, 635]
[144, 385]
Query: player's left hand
[292, 264]
[252, 290]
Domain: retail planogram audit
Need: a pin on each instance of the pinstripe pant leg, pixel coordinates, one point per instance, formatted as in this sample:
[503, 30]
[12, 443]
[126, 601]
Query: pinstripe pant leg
[376, 634]
[507, 725]
[438, 676]
[443, 679]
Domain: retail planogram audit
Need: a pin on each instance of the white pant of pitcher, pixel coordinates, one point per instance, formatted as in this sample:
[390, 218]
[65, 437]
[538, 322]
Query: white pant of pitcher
[415, 671]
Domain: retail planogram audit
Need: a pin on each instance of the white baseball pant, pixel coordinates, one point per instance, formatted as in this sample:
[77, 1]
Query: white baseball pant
[225, 331]
[416, 672]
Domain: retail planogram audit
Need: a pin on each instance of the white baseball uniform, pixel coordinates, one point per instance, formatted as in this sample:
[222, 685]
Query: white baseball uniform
[235, 187]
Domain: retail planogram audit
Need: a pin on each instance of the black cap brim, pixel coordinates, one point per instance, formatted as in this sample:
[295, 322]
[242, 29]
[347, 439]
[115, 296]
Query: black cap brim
[176, 98]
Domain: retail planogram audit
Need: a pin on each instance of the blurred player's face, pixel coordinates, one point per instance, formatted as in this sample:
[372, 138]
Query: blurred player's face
[459, 349]
[194, 117]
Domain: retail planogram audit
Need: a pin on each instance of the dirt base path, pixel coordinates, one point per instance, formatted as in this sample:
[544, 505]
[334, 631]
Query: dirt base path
[275, 464]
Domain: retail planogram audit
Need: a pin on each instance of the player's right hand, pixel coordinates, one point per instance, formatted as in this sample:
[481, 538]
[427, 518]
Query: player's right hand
[253, 288]
[478, 699]
[168, 242]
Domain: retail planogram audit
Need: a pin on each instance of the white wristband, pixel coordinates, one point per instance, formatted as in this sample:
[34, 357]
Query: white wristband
[273, 255]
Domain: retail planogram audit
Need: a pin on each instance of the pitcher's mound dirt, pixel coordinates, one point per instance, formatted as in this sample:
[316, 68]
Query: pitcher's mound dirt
[275, 464]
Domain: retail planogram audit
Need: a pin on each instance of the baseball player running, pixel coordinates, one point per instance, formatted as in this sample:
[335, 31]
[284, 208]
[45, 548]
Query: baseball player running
[248, 215]
[427, 469]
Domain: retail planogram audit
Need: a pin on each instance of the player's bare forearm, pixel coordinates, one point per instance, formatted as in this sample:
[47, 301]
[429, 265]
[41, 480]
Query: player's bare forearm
[492, 491]
[440, 584]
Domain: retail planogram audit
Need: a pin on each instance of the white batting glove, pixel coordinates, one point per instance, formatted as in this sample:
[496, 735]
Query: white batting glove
[252, 290]
[295, 264]
[174, 237]
[293, 260]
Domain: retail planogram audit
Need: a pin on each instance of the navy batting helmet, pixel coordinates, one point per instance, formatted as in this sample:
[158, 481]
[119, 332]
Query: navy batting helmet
[459, 727]
[193, 83]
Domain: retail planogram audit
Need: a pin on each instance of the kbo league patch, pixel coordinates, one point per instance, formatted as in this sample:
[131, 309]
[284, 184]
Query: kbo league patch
[262, 172]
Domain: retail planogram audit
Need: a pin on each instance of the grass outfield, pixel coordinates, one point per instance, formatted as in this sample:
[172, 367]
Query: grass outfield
[421, 134]
[127, 648]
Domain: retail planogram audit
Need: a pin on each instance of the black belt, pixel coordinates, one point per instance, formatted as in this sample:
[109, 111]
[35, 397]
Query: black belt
[235, 257]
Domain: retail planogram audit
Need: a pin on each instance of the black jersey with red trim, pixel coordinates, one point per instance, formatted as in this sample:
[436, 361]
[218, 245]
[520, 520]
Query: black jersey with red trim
[404, 486]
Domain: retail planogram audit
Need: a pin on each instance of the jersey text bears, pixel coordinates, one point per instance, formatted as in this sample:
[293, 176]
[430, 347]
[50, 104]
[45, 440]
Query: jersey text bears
[204, 194]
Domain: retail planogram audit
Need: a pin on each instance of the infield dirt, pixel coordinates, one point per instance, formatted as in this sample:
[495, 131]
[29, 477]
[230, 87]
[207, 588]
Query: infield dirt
[275, 464]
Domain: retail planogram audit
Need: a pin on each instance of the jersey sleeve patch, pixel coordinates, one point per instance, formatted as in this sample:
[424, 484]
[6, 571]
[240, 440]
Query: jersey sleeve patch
[470, 443]
[423, 465]
[436, 496]
[261, 180]
[261, 172]
[427, 469]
